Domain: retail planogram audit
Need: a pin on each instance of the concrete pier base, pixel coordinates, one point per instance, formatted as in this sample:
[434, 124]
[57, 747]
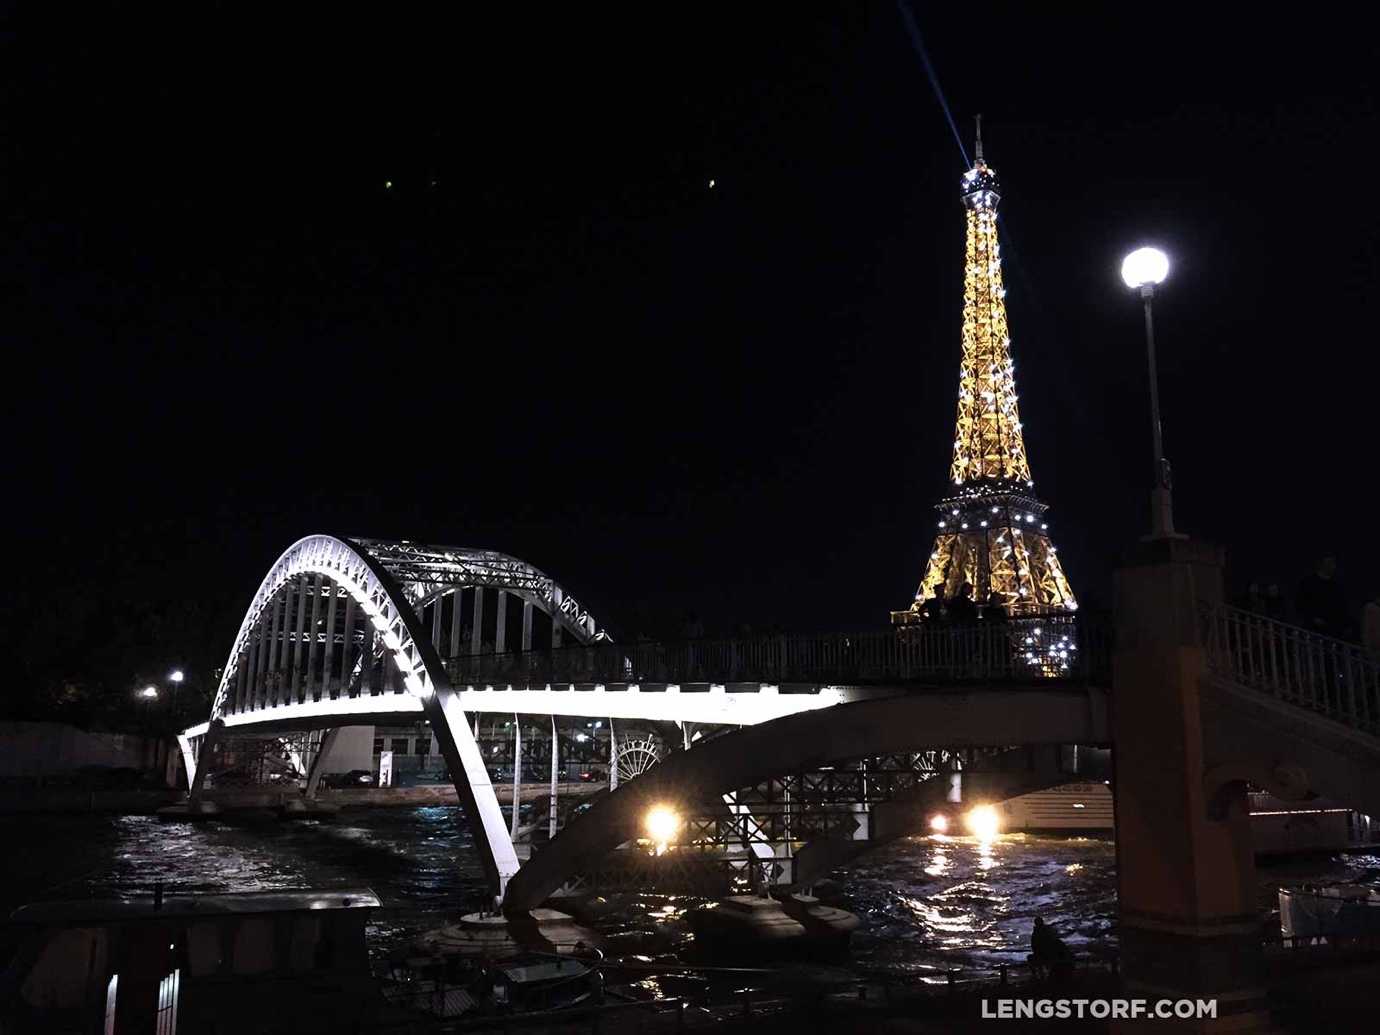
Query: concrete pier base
[746, 922]
[190, 811]
[1190, 926]
[306, 808]
[496, 935]
[828, 926]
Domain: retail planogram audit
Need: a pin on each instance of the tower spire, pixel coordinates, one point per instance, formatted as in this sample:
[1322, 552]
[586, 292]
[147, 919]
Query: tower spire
[992, 530]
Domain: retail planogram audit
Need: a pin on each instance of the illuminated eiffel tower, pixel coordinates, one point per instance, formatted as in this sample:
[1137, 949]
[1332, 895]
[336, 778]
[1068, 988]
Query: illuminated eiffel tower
[992, 529]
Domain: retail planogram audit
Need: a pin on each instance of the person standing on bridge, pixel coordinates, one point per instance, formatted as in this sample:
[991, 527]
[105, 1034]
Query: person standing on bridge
[995, 611]
[933, 608]
[962, 609]
[1370, 628]
[1321, 602]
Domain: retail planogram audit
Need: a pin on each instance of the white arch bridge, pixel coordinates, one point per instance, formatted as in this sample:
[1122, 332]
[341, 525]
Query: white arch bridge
[360, 631]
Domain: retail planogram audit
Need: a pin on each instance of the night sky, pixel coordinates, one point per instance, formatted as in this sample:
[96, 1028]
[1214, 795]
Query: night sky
[549, 336]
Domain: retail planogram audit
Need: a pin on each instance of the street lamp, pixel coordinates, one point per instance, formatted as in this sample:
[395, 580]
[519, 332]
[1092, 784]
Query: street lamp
[1143, 269]
[175, 677]
[149, 693]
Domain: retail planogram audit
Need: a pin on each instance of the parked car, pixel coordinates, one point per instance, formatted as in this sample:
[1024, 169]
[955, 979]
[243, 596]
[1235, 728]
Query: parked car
[354, 778]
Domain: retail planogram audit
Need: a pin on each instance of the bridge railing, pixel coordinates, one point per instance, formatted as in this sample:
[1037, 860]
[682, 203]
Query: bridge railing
[1325, 675]
[1021, 650]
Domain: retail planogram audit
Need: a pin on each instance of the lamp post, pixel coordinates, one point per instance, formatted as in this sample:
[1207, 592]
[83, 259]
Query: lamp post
[148, 695]
[1143, 269]
[175, 677]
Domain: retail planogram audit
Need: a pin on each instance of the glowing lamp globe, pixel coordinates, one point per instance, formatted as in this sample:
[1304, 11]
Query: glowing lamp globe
[661, 824]
[1145, 266]
[983, 822]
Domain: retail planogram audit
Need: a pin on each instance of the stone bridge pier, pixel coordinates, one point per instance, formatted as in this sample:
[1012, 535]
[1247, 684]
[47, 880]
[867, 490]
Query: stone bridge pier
[1190, 923]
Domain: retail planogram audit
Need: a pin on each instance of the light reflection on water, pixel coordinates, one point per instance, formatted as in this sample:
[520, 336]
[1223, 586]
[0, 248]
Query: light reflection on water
[932, 903]
[926, 904]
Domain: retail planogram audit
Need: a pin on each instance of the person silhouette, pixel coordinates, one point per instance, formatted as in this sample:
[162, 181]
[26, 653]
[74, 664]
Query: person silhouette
[996, 608]
[933, 608]
[962, 610]
[1047, 949]
[1321, 602]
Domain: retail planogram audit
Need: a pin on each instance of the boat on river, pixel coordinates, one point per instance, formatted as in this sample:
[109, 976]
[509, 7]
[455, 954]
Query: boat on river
[1335, 912]
[761, 925]
[261, 961]
[275, 961]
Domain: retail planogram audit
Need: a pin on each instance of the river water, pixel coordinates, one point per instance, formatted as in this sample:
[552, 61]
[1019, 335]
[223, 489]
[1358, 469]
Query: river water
[927, 904]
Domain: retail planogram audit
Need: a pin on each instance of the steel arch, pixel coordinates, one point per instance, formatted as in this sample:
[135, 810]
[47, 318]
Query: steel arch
[386, 580]
[420, 574]
[861, 729]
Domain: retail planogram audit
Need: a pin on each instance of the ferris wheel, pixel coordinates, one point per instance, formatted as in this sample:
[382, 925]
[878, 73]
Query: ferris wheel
[636, 756]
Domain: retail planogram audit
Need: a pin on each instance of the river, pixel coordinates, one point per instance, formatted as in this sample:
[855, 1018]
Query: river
[927, 904]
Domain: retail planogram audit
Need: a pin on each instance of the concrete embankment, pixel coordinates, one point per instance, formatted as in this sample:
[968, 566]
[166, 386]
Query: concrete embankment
[138, 802]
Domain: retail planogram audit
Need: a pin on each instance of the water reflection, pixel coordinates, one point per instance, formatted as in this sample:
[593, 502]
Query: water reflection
[927, 904]
[930, 904]
[939, 857]
[986, 860]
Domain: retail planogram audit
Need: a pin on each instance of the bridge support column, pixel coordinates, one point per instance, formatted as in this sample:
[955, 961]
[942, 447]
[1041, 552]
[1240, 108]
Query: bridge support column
[477, 625]
[196, 776]
[517, 773]
[613, 757]
[555, 776]
[450, 726]
[1190, 926]
[318, 764]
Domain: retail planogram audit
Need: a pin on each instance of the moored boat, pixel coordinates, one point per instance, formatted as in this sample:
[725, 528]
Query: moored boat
[1332, 911]
[261, 961]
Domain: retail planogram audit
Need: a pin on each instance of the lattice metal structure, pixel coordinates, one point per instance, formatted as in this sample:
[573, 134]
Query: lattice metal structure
[992, 529]
[721, 849]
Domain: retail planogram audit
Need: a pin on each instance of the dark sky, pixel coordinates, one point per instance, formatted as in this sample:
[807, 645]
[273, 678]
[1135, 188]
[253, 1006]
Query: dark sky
[551, 337]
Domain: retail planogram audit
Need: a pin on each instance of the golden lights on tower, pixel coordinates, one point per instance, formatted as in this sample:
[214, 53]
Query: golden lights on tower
[989, 443]
[992, 531]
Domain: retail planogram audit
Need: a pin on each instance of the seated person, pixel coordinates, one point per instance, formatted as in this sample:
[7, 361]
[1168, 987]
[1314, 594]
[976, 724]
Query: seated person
[1049, 955]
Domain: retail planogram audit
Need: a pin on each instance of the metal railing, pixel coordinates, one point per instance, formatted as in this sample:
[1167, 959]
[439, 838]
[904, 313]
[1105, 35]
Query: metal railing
[1015, 651]
[1328, 676]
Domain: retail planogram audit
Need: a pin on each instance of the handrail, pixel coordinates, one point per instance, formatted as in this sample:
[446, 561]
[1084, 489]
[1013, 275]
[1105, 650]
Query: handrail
[1331, 677]
[1018, 650]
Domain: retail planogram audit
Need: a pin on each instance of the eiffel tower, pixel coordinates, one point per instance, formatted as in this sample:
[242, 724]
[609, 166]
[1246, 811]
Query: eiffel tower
[992, 528]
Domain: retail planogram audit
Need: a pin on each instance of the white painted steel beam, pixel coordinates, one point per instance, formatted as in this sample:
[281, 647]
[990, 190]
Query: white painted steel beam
[715, 705]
